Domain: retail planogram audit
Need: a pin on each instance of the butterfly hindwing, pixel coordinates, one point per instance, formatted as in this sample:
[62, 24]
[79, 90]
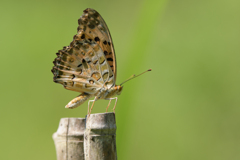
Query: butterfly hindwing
[82, 67]
[73, 72]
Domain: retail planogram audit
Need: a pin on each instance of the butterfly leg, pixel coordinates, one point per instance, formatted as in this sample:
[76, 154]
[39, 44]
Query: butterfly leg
[115, 104]
[110, 102]
[89, 105]
[89, 111]
[108, 105]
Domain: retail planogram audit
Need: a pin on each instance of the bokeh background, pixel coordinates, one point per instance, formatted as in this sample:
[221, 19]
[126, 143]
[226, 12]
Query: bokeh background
[187, 108]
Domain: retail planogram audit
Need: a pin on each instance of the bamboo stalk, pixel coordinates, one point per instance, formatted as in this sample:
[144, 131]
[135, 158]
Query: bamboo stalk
[69, 139]
[100, 137]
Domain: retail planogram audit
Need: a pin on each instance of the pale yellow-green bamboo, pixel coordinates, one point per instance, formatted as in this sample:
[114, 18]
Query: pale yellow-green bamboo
[69, 139]
[100, 137]
[95, 141]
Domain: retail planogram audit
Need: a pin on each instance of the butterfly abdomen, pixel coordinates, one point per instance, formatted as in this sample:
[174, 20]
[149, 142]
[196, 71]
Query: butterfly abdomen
[78, 100]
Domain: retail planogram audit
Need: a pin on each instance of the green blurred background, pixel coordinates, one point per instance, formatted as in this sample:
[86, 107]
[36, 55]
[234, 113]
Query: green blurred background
[187, 108]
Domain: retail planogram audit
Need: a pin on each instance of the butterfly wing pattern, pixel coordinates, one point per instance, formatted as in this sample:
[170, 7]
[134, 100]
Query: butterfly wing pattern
[88, 64]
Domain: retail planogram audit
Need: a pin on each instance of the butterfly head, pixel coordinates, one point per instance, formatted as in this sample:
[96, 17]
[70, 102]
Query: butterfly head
[119, 89]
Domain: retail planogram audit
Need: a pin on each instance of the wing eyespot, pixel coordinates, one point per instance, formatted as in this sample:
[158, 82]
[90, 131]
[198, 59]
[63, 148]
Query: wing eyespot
[91, 81]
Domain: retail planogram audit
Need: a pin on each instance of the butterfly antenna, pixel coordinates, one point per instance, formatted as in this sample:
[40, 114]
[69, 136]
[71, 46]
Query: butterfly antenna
[134, 76]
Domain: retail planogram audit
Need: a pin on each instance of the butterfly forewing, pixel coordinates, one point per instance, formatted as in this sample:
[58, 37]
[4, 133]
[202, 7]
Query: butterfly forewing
[92, 27]
[89, 62]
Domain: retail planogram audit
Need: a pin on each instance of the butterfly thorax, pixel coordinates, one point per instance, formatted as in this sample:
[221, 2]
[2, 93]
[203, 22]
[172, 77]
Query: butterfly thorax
[105, 93]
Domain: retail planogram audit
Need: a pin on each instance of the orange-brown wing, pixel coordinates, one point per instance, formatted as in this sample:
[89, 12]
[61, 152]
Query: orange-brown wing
[93, 28]
[85, 66]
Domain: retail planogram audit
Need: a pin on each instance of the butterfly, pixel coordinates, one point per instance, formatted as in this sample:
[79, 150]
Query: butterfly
[88, 65]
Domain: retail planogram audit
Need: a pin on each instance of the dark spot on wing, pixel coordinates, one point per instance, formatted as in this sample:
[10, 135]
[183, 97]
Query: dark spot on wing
[109, 43]
[86, 10]
[105, 52]
[90, 25]
[96, 39]
[84, 64]
[105, 42]
[79, 65]
[60, 72]
[80, 71]
[109, 59]
[95, 62]
[70, 51]
[102, 61]
[83, 36]
[73, 76]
